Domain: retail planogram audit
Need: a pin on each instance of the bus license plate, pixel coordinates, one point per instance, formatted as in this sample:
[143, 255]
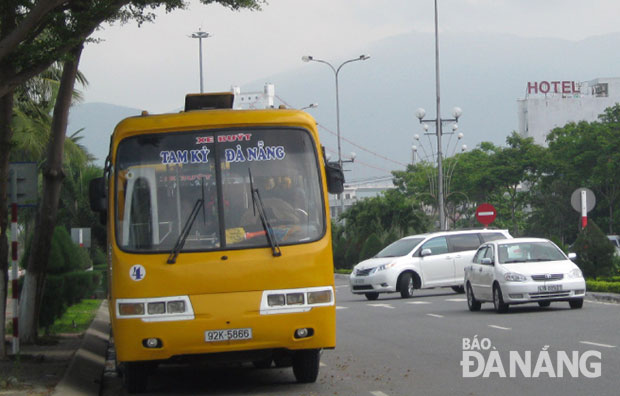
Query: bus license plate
[228, 335]
[550, 288]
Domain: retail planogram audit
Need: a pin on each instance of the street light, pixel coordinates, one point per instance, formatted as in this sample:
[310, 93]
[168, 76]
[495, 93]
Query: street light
[200, 35]
[309, 58]
[310, 106]
[438, 121]
[438, 127]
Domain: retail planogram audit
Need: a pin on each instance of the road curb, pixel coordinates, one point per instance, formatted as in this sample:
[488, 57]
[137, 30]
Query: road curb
[85, 371]
[604, 297]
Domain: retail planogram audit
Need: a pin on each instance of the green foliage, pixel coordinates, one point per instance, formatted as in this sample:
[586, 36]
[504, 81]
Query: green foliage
[65, 255]
[54, 303]
[98, 256]
[602, 286]
[77, 318]
[594, 252]
[372, 245]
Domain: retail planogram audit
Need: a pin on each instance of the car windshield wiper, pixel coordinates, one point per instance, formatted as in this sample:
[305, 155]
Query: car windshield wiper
[257, 204]
[185, 231]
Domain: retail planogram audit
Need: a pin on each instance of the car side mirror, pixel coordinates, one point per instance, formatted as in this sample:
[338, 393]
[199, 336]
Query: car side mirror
[335, 178]
[486, 261]
[572, 256]
[426, 252]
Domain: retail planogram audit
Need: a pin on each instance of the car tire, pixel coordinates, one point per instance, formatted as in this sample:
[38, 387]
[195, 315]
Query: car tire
[306, 365]
[498, 300]
[371, 296]
[472, 303]
[544, 304]
[576, 304]
[135, 377]
[458, 289]
[406, 285]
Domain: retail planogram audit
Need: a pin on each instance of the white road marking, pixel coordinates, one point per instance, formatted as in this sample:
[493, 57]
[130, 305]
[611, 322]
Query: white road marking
[340, 307]
[597, 344]
[435, 315]
[378, 393]
[456, 299]
[382, 306]
[341, 286]
[417, 302]
[602, 303]
[500, 327]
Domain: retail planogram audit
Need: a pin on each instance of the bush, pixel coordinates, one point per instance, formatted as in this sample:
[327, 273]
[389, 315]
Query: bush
[602, 286]
[371, 246]
[54, 304]
[594, 252]
[98, 257]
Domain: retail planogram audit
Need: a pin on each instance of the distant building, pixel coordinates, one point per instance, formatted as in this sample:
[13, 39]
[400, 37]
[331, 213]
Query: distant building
[254, 100]
[355, 191]
[551, 104]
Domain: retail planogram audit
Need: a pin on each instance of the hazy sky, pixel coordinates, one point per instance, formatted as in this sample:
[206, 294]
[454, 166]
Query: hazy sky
[154, 66]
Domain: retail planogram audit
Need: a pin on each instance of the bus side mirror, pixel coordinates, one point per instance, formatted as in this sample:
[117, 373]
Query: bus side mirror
[97, 196]
[335, 178]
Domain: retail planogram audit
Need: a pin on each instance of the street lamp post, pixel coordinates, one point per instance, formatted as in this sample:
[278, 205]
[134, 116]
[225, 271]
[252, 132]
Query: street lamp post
[438, 121]
[200, 35]
[308, 58]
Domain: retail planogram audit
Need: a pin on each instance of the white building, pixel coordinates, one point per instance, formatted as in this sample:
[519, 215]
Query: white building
[355, 191]
[551, 104]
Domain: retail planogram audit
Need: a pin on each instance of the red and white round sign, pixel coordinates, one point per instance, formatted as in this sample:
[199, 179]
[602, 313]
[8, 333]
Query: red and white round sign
[485, 214]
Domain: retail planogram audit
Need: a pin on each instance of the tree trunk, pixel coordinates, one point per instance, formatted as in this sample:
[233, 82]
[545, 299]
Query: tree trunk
[53, 176]
[6, 113]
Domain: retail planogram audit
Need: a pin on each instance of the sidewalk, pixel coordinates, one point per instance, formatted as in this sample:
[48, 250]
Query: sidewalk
[71, 366]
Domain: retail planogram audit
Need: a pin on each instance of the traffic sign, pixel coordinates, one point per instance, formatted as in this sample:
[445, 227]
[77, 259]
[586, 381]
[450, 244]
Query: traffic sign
[485, 214]
[575, 199]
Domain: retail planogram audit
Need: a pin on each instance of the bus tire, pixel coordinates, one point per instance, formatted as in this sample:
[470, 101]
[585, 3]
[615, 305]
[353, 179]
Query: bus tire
[135, 377]
[306, 365]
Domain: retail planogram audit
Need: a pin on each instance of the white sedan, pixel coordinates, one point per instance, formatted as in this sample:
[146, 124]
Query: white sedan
[522, 270]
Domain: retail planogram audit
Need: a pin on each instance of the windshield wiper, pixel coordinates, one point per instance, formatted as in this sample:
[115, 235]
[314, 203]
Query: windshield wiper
[185, 231]
[257, 204]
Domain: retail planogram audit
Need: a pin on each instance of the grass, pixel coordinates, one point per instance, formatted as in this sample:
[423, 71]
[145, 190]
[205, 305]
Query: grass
[76, 319]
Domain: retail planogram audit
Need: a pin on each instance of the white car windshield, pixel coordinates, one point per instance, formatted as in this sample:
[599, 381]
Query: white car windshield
[528, 252]
[400, 247]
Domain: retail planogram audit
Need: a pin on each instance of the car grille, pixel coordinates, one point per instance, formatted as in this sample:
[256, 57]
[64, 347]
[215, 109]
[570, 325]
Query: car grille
[363, 272]
[363, 287]
[553, 294]
[547, 277]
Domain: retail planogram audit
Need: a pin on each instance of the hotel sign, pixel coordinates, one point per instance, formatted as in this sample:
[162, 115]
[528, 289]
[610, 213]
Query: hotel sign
[553, 87]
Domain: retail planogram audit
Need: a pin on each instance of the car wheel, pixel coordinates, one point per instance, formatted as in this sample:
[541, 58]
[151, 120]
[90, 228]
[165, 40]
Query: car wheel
[576, 304]
[458, 289]
[472, 303]
[135, 376]
[498, 300]
[371, 296]
[306, 365]
[406, 285]
[544, 303]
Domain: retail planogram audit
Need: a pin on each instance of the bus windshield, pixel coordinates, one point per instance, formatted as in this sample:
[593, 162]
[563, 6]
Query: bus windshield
[201, 181]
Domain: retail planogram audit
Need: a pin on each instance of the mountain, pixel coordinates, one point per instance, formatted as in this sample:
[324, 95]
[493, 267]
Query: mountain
[484, 74]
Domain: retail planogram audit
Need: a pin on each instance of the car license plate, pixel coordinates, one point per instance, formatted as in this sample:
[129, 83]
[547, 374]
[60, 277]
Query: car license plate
[228, 335]
[550, 288]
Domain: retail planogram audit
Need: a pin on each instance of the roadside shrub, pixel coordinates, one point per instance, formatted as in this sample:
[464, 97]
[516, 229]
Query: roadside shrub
[54, 304]
[602, 286]
[371, 246]
[594, 252]
[78, 285]
[98, 257]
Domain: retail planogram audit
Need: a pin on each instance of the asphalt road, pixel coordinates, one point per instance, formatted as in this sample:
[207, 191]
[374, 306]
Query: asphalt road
[399, 347]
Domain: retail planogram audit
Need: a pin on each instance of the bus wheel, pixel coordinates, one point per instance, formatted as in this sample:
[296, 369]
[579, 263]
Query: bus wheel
[371, 296]
[306, 365]
[135, 377]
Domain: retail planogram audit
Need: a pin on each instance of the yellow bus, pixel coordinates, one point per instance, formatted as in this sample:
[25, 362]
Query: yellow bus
[219, 240]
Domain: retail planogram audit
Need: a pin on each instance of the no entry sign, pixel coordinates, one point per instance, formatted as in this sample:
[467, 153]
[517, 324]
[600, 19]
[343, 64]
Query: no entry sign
[485, 214]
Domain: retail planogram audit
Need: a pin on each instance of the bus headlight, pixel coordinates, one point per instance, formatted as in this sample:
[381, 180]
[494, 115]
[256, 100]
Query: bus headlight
[127, 309]
[155, 308]
[319, 297]
[176, 307]
[274, 300]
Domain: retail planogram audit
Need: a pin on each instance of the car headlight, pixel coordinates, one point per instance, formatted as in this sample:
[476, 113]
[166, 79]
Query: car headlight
[514, 277]
[576, 273]
[383, 267]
